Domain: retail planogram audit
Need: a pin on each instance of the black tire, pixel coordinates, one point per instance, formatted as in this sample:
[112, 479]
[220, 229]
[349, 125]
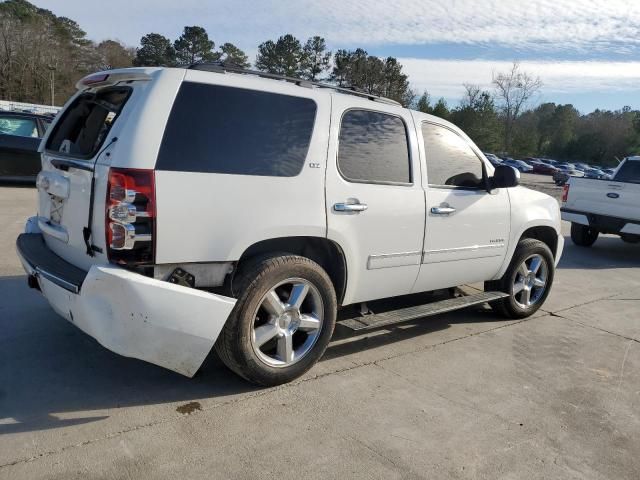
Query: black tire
[509, 307]
[628, 238]
[583, 235]
[252, 282]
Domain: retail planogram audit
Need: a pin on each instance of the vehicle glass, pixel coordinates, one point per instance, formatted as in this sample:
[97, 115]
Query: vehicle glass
[21, 127]
[84, 125]
[217, 129]
[450, 159]
[629, 172]
[373, 148]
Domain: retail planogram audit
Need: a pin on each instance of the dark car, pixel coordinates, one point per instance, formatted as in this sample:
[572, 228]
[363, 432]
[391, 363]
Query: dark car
[20, 135]
[544, 169]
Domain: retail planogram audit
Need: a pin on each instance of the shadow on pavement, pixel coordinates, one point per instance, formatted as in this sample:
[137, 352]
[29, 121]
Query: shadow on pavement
[607, 252]
[48, 367]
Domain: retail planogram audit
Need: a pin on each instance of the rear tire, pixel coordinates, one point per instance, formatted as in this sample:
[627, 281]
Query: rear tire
[583, 235]
[528, 280]
[282, 322]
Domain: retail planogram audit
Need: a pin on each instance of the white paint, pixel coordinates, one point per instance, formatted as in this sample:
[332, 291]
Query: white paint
[139, 317]
[575, 218]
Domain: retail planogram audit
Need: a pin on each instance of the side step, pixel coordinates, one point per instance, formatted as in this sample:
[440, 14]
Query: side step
[412, 313]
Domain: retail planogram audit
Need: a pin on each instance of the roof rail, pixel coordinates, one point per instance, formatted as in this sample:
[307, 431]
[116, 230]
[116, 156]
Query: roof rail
[223, 67]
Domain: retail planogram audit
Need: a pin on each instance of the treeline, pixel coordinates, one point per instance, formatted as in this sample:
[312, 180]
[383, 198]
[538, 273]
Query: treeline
[42, 56]
[550, 130]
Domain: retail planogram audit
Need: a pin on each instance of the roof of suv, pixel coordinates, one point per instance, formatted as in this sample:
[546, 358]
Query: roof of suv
[221, 67]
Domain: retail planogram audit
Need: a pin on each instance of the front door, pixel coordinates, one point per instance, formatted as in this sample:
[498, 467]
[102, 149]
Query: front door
[374, 197]
[467, 227]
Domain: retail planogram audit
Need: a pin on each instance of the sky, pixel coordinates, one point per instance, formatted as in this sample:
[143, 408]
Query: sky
[586, 52]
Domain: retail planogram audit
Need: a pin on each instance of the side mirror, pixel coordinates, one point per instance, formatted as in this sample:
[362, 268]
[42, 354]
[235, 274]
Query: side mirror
[505, 177]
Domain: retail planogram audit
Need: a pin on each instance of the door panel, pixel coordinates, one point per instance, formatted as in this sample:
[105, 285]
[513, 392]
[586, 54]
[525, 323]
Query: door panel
[19, 156]
[380, 226]
[467, 227]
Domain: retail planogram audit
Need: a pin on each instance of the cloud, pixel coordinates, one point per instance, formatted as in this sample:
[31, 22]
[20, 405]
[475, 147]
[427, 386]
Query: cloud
[583, 26]
[445, 77]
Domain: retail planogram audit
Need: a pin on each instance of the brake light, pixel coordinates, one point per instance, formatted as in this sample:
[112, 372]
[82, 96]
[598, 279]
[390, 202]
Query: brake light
[565, 192]
[130, 216]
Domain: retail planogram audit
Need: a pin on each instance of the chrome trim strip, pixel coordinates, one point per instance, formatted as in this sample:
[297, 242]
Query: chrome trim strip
[69, 162]
[71, 287]
[472, 248]
[387, 260]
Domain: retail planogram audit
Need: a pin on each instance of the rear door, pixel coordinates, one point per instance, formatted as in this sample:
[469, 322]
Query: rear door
[19, 140]
[374, 197]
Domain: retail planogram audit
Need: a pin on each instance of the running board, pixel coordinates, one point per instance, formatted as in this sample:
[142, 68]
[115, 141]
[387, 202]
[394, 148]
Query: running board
[392, 317]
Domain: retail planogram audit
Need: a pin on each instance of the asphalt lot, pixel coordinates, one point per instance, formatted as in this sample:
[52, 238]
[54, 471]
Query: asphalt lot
[463, 395]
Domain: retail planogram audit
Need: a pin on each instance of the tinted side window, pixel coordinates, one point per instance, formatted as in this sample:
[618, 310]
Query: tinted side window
[220, 129]
[21, 127]
[629, 172]
[450, 159]
[373, 148]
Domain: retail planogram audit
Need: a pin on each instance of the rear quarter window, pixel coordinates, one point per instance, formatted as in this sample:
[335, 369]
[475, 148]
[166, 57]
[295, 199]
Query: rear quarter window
[629, 172]
[218, 129]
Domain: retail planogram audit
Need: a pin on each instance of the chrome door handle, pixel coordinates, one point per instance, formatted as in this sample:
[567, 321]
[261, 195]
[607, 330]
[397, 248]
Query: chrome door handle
[350, 207]
[442, 210]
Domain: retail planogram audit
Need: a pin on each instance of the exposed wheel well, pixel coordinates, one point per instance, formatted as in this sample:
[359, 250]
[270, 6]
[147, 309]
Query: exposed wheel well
[324, 252]
[547, 235]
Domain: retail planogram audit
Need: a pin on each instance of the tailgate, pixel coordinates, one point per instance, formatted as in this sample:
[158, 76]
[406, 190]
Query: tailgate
[77, 153]
[604, 197]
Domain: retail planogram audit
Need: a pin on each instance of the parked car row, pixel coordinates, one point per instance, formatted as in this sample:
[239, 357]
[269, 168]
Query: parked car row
[560, 171]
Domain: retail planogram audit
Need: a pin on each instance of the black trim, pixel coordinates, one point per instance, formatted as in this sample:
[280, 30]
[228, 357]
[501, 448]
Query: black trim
[66, 163]
[35, 252]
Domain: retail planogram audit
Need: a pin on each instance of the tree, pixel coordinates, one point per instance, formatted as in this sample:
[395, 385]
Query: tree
[513, 90]
[478, 117]
[441, 109]
[229, 53]
[194, 46]
[424, 103]
[155, 51]
[358, 70]
[115, 55]
[283, 57]
[315, 58]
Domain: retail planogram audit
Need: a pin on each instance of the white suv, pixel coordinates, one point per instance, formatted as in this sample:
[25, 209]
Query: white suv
[185, 208]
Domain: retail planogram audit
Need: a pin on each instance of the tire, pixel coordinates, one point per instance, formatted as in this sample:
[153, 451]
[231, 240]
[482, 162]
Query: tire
[628, 238]
[515, 305]
[583, 235]
[266, 303]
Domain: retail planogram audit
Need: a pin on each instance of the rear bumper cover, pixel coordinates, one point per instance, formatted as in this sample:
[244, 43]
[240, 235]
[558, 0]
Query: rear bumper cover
[604, 223]
[136, 316]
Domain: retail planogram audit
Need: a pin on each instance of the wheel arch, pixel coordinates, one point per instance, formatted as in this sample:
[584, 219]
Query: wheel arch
[326, 253]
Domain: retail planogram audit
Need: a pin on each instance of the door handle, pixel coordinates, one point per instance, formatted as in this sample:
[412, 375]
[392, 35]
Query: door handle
[350, 207]
[442, 210]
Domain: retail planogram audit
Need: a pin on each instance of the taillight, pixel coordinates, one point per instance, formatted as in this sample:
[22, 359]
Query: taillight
[130, 216]
[565, 192]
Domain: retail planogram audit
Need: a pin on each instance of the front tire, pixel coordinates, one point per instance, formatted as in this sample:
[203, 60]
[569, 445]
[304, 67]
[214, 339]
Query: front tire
[282, 322]
[528, 280]
[583, 235]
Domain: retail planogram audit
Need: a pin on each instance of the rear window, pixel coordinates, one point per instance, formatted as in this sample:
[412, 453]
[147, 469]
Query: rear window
[18, 126]
[629, 172]
[84, 126]
[216, 129]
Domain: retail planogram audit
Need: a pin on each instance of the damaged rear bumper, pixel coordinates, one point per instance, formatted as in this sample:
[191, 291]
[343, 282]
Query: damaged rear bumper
[136, 316]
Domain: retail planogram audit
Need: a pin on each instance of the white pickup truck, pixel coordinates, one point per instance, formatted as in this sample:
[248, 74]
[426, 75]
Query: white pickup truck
[604, 206]
[182, 208]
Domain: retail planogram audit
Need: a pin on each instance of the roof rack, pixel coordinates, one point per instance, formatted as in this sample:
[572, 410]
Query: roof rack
[223, 67]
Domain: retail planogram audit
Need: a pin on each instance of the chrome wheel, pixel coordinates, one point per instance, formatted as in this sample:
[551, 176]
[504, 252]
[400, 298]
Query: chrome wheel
[530, 281]
[287, 322]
